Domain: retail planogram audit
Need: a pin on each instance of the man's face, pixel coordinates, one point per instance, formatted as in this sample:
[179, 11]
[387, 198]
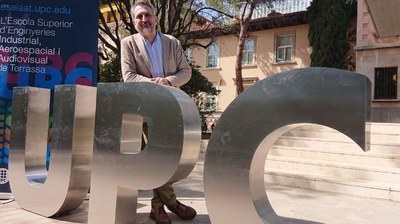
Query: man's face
[145, 21]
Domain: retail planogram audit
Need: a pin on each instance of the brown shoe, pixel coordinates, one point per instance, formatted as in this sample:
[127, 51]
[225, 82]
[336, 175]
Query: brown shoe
[160, 216]
[182, 211]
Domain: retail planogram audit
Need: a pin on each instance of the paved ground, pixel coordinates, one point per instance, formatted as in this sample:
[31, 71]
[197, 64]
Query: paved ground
[293, 205]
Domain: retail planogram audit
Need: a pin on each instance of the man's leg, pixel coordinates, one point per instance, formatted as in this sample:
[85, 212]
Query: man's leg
[157, 207]
[165, 195]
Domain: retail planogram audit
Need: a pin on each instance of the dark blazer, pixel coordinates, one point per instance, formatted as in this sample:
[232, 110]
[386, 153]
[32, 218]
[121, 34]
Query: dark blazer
[135, 63]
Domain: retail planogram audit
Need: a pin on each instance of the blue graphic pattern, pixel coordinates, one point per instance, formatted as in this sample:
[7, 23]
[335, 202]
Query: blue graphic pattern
[6, 155]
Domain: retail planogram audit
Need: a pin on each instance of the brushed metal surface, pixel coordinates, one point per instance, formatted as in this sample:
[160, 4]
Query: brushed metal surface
[65, 185]
[120, 169]
[236, 154]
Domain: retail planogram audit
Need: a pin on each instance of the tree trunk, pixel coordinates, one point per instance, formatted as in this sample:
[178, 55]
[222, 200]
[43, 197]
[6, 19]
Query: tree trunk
[244, 26]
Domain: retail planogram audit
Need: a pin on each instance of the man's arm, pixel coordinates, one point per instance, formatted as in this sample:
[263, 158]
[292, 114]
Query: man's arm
[128, 63]
[183, 70]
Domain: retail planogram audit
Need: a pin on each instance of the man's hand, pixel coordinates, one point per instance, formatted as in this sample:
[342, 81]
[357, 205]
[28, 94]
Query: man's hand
[161, 81]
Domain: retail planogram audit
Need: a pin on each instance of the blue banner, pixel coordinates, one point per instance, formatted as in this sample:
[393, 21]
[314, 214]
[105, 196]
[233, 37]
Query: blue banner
[43, 43]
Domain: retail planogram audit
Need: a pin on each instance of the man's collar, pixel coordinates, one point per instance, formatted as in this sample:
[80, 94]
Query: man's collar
[158, 38]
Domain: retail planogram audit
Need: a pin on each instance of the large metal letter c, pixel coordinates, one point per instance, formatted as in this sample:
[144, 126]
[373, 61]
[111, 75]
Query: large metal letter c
[236, 154]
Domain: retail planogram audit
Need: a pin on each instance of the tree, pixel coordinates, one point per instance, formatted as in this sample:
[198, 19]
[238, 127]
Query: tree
[110, 71]
[328, 34]
[112, 29]
[244, 20]
[245, 11]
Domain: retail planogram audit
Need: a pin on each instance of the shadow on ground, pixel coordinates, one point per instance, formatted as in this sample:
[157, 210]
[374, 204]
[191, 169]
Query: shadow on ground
[297, 221]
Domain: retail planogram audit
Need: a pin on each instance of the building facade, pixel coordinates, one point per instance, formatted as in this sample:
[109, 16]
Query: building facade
[275, 43]
[378, 56]
[267, 52]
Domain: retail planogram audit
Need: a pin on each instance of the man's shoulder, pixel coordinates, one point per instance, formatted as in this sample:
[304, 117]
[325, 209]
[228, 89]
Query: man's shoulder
[130, 38]
[169, 38]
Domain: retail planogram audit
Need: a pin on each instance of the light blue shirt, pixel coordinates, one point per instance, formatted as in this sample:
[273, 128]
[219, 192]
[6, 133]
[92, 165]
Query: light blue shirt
[154, 51]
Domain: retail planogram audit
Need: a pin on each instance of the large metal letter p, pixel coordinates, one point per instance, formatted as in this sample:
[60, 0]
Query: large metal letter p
[120, 169]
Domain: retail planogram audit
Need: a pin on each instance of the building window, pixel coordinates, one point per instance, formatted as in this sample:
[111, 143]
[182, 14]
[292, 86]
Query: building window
[284, 48]
[385, 83]
[212, 55]
[248, 52]
[247, 82]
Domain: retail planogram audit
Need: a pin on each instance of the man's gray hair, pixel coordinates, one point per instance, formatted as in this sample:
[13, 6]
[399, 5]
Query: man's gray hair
[142, 2]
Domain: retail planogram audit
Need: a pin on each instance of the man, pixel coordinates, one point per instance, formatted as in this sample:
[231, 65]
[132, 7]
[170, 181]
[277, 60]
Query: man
[151, 56]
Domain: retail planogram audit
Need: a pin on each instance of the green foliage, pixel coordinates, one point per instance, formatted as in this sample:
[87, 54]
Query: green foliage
[197, 86]
[329, 23]
[198, 83]
[110, 71]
